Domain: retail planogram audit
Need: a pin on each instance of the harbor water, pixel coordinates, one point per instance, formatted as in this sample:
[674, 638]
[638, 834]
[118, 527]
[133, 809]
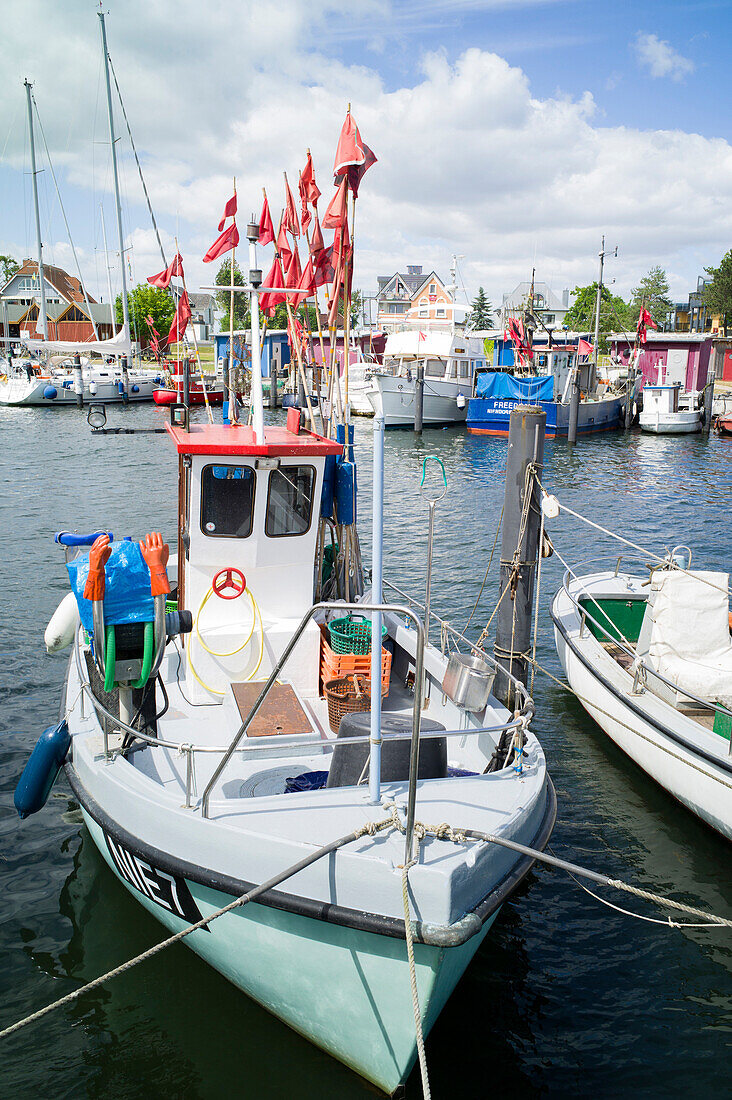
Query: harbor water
[566, 996]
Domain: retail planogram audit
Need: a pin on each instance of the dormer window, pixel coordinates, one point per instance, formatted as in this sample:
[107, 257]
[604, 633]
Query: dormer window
[227, 501]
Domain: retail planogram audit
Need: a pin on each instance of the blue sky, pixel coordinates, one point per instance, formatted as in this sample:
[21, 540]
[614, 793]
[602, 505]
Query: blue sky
[510, 132]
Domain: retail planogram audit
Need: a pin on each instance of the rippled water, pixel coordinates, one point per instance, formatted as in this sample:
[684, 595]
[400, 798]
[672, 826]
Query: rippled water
[565, 997]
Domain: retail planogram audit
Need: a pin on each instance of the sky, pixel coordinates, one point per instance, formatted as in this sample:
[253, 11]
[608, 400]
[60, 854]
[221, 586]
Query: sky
[510, 133]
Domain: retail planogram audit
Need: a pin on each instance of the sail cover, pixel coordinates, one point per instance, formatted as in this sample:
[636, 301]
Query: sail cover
[117, 345]
[507, 387]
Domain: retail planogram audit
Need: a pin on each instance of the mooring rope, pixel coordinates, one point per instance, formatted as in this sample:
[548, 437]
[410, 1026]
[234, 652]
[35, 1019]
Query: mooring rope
[409, 937]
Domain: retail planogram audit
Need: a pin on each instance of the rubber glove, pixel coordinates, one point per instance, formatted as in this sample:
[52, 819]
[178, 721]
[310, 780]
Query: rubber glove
[98, 558]
[156, 554]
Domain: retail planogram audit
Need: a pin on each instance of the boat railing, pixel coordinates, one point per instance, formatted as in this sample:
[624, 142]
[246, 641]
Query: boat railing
[643, 673]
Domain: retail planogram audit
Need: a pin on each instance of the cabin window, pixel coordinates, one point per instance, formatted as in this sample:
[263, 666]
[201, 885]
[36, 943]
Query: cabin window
[435, 368]
[464, 368]
[290, 501]
[227, 501]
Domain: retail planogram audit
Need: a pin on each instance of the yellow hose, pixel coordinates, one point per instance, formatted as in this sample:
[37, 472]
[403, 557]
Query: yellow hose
[228, 653]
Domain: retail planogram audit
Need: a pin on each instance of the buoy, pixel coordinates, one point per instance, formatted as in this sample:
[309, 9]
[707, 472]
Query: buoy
[62, 626]
[93, 389]
[135, 388]
[50, 393]
[44, 764]
[460, 400]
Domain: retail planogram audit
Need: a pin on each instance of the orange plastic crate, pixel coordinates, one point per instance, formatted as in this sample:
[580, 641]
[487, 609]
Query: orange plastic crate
[336, 666]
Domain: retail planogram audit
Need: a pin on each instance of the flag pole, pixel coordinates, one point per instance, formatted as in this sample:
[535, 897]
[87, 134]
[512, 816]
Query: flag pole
[195, 344]
[229, 395]
[294, 342]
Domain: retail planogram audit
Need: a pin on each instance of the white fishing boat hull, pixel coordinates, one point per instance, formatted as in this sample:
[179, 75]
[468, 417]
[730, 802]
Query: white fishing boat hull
[671, 423]
[99, 387]
[393, 397]
[691, 764]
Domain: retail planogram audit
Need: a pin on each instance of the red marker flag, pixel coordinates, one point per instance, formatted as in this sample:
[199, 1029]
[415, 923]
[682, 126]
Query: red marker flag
[354, 175]
[229, 239]
[291, 223]
[283, 246]
[335, 215]
[162, 279]
[293, 271]
[229, 211]
[350, 152]
[266, 229]
[309, 190]
[317, 244]
[306, 285]
[181, 319]
[271, 298]
[584, 347]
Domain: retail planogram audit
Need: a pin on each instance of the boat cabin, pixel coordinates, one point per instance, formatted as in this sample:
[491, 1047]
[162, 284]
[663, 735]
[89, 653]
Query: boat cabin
[247, 531]
[661, 399]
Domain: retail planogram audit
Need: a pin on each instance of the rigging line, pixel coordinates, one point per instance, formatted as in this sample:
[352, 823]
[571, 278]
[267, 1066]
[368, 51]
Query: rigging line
[66, 220]
[12, 127]
[137, 161]
[485, 578]
[633, 545]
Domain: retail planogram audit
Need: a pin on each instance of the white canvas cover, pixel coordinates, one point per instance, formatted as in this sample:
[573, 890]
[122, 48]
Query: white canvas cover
[690, 640]
[116, 345]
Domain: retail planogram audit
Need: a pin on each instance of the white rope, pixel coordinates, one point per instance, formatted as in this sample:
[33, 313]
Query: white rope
[409, 936]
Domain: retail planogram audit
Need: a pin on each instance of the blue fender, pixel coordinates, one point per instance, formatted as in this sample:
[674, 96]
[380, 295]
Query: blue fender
[44, 764]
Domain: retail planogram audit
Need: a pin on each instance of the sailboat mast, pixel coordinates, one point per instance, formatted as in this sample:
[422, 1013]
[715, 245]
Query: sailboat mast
[115, 175]
[41, 276]
[106, 264]
[597, 313]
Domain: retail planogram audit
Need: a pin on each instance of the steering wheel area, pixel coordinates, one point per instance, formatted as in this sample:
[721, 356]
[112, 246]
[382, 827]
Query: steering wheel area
[229, 583]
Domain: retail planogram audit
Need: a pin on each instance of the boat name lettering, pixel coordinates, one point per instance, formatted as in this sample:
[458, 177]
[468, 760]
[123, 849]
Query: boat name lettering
[169, 891]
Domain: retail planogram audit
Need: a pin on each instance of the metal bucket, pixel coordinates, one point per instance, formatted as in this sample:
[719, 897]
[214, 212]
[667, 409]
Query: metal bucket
[468, 681]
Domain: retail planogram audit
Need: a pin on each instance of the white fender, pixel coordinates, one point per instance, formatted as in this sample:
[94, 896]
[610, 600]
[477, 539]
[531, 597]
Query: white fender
[62, 627]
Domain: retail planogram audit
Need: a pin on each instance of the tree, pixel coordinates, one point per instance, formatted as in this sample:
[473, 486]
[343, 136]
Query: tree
[9, 266]
[147, 301]
[356, 308]
[652, 292]
[481, 315]
[580, 317]
[717, 295]
[223, 297]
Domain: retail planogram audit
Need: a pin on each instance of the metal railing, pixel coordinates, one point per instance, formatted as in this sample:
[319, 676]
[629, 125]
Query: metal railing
[641, 670]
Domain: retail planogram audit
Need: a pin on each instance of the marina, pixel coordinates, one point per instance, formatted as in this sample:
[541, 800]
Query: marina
[367, 678]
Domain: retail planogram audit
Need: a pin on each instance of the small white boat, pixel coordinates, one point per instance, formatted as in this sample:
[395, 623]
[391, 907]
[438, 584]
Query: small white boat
[26, 383]
[652, 665]
[449, 361]
[359, 386]
[669, 412]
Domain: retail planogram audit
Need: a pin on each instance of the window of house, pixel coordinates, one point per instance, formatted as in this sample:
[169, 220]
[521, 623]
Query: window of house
[423, 311]
[440, 311]
[549, 319]
[289, 501]
[433, 288]
[227, 501]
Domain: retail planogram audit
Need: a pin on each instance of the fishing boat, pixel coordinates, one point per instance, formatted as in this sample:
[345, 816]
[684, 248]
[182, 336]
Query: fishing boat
[29, 382]
[171, 392]
[651, 663]
[668, 411]
[447, 363]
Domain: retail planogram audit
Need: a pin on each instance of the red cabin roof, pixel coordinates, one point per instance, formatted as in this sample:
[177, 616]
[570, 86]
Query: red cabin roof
[227, 439]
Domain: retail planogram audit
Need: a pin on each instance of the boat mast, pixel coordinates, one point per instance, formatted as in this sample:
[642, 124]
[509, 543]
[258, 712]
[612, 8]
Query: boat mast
[106, 264]
[593, 380]
[41, 276]
[255, 280]
[115, 175]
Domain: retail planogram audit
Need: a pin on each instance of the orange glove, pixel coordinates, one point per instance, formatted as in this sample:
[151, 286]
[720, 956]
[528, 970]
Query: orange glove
[98, 558]
[156, 554]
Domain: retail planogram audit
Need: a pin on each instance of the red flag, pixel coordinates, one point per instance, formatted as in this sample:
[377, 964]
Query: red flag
[272, 298]
[309, 190]
[325, 262]
[162, 279]
[266, 229]
[342, 241]
[317, 244]
[584, 347]
[291, 223]
[229, 239]
[644, 319]
[305, 215]
[336, 214]
[354, 175]
[293, 271]
[306, 285]
[229, 211]
[350, 151]
[154, 336]
[283, 245]
[181, 319]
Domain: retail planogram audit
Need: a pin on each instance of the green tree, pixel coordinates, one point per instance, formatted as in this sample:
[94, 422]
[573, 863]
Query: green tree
[145, 301]
[481, 314]
[356, 308]
[652, 292]
[580, 317]
[9, 266]
[223, 297]
[718, 294]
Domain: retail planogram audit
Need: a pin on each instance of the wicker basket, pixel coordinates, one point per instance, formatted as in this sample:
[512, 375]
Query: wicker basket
[347, 696]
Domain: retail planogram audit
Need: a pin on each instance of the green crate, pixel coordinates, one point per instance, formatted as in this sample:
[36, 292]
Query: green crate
[351, 635]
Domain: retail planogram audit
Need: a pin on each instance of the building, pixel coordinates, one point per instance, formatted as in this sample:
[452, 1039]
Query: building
[69, 313]
[547, 307]
[693, 315]
[667, 358]
[415, 300]
[203, 319]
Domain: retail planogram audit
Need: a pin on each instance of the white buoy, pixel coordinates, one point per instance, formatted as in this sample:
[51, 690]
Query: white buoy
[62, 627]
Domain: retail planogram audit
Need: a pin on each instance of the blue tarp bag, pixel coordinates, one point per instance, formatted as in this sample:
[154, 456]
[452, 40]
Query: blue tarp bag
[307, 781]
[127, 595]
[505, 387]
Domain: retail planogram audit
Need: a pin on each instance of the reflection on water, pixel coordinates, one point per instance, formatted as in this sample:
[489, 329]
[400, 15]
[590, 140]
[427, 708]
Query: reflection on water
[565, 996]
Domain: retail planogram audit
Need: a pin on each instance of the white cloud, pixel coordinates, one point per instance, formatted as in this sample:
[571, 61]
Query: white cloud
[660, 58]
[470, 161]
